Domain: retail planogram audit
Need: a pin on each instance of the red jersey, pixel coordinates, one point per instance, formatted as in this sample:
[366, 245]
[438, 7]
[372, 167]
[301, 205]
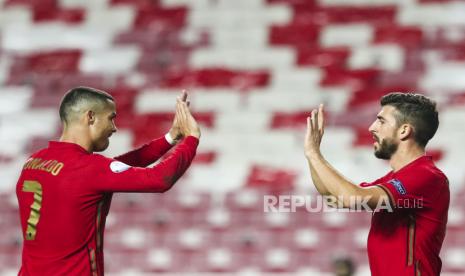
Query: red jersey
[408, 240]
[64, 196]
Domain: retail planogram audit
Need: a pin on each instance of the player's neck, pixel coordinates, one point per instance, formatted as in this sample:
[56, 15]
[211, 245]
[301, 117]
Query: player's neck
[404, 155]
[76, 136]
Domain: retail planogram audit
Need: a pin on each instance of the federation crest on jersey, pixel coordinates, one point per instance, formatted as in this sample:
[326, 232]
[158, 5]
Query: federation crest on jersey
[117, 166]
[399, 186]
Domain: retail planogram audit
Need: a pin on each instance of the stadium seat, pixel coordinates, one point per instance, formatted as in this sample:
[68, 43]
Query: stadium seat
[254, 70]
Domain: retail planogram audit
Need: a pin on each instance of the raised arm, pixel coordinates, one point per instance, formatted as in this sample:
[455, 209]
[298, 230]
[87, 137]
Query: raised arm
[147, 154]
[151, 152]
[327, 180]
[115, 176]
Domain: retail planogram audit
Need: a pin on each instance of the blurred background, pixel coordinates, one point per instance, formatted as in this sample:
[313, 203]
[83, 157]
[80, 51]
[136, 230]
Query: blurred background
[254, 69]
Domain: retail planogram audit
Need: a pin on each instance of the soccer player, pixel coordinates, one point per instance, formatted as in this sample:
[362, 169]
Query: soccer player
[64, 191]
[407, 239]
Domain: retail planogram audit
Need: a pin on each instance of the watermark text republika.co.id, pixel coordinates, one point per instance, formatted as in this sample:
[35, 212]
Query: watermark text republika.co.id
[319, 203]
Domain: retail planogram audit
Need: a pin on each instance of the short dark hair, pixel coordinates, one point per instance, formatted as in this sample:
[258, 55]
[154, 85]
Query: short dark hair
[79, 94]
[417, 110]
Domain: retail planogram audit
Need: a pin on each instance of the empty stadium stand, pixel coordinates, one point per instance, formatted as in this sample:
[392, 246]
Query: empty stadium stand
[254, 68]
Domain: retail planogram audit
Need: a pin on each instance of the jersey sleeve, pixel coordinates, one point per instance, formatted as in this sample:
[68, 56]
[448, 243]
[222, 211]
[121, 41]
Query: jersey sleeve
[147, 154]
[110, 175]
[413, 190]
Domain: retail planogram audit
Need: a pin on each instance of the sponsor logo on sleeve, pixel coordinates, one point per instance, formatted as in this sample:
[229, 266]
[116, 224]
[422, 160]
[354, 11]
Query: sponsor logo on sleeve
[399, 186]
[117, 166]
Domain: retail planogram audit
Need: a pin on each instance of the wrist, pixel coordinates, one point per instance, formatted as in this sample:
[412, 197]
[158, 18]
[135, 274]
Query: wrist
[195, 133]
[169, 138]
[313, 154]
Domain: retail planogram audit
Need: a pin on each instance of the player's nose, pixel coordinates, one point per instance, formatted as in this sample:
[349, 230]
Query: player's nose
[371, 128]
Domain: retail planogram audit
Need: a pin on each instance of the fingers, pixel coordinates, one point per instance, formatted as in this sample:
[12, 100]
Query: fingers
[182, 104]
[183, 95]
[310, 121]
[314, 120]
[321, 119]
[178, 106]
[315, 127]
[186, 123]
[189, 114]
[179, 102]
[309, 127]
[182, 110]
[178, 117]
[317, 119]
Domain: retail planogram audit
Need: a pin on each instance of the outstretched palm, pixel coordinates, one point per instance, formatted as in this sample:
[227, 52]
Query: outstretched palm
[315, 131]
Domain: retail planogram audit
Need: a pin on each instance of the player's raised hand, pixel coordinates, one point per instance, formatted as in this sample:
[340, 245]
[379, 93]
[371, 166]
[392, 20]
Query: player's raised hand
[175, 131]
[315, 131]
[184, 123]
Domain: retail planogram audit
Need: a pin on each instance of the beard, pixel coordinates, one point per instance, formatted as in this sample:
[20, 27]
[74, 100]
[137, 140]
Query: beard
[386, 149]
[102, 145]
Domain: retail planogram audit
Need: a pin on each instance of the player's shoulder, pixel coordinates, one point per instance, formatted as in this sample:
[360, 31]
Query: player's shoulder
[96, 158]
[423, 167]
[437, 176]
[432, 173]
[431, 176]
[435, 183]
[38, 153]
[101, 161]
[380, 180]
[35, 155]
[422, 173]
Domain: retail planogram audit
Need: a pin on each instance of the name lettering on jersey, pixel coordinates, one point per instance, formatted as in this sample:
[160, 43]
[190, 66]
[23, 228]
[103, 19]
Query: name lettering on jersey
[51, 166]
[399, 186]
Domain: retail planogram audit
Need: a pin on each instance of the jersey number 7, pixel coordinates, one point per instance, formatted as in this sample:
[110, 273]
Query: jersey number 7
[34, 216]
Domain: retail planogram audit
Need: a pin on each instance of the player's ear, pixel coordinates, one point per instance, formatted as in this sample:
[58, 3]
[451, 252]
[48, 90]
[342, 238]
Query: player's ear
[405, 131]
[90, 117]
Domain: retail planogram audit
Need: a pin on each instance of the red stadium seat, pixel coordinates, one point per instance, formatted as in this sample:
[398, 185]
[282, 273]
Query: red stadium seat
[161, 17]
[353, 78]
[205, 158]
[289, 120]
[73, 16]
[61, 61]
[309, 3]
[32, 3]
[294, 35]
[141, 4]
[124, 97]
[372, 95]
[380, 15]
[409, 37]
[323, 57]
[270, 178]
[457, 99]
[215, 77]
